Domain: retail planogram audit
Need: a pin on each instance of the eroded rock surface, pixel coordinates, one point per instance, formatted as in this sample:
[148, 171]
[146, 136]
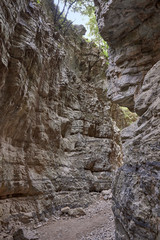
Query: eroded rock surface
[132, 31]
[131, 28]
[58, 142]
[136, 188]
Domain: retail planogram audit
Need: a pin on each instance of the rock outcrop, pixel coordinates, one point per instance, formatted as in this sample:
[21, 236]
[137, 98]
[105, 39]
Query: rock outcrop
[58, 141]
[132, 30]
[136, 187]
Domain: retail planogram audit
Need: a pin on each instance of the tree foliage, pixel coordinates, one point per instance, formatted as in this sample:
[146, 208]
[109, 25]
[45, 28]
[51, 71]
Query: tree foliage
[84, 7]
[87, 8]
[94, 34]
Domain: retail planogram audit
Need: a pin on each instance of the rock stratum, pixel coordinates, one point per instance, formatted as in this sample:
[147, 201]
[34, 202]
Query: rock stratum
[131, 29]
[58, 142]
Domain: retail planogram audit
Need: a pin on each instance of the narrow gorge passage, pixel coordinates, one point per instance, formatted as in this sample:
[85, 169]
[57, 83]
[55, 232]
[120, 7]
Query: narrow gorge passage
[61, 143]
[97, 224]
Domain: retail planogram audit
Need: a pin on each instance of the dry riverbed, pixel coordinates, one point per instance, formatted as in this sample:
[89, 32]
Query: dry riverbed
[97, 224]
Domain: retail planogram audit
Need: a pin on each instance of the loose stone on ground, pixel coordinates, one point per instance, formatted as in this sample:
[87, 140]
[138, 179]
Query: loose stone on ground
[97, 224]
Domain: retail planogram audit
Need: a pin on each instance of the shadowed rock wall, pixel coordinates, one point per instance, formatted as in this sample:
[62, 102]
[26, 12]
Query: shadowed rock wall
[132, 30]
[58, 142]
[136, 187]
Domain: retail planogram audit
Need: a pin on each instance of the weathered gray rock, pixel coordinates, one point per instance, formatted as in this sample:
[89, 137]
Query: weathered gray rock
[107, 194]
[65, 210]
[58, 142]
[136, 187]
[6, 236]
[74, 212]
[23, 234]
[80, 29]
[131, 28]
[132, 31]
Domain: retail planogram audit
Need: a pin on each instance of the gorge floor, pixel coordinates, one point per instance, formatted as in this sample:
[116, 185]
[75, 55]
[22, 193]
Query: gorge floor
[97, 224]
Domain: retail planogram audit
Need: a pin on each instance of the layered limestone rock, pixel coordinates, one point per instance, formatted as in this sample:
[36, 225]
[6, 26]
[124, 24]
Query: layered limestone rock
[136, 187]
[58, 141]
[132, 31]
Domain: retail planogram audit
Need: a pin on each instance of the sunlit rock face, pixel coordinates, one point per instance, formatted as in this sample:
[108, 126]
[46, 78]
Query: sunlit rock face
[132, 31]
[58, 142]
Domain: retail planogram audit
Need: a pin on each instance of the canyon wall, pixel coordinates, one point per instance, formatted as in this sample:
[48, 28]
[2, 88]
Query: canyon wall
[58, 142]
[131, 29]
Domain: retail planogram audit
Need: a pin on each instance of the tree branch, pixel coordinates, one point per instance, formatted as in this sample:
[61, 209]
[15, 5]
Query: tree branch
[56, 11]
[64, 6]
[65, 18]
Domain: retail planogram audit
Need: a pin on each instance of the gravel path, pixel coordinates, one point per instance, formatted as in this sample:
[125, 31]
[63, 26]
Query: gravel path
[97, 224]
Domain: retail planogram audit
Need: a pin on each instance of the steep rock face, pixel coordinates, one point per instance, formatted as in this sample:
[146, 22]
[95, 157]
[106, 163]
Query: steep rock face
[133, 35]
[136, 187]
[131, 28]
[58, 142]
